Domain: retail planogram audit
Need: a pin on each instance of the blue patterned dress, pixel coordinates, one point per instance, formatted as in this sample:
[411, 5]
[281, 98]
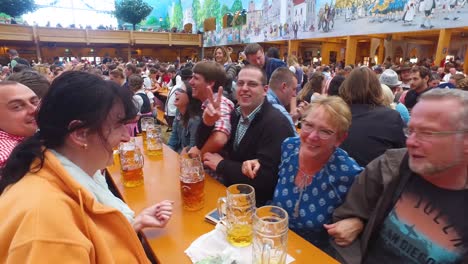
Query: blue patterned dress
[326, 192]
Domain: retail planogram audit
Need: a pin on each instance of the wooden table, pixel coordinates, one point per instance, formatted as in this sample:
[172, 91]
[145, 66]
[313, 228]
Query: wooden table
[169, 243]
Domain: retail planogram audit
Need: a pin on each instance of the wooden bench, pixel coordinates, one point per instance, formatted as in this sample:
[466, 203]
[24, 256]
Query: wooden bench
[160, 117]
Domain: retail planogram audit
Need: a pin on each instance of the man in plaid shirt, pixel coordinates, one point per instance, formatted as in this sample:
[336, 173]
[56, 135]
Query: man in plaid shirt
[207, 78]
[18, 106]
[258, 130]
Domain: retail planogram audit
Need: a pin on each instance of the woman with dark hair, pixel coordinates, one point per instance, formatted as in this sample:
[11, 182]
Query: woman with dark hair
[53, 194]
[313, 87]
[374, 127]
[188, 117]
[335, 83]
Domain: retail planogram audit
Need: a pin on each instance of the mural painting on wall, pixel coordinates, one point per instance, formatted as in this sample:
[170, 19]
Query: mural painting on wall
[270, 20]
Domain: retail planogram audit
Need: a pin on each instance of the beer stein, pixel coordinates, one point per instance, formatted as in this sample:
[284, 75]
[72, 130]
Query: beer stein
[236, 211]
[270, 235]
[192, 183]
[131, 164]
[154, 144]
[145, 121]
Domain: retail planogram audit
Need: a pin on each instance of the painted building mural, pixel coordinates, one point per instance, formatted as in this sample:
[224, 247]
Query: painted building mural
[269, 20]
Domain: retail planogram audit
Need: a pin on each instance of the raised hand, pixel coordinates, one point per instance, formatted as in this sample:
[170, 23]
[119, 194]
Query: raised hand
[212, 112]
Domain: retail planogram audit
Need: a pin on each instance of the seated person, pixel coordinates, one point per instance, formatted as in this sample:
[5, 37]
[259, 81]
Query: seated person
[187, 119]
[315, 174]
[59, 206]
[18, 106]
[258, 131]
[409, 203]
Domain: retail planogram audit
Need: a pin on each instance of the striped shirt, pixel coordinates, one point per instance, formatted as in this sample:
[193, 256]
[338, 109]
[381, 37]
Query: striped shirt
[7, 143]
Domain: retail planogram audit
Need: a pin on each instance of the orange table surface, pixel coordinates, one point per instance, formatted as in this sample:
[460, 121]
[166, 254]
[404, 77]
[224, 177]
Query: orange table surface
[169, 243]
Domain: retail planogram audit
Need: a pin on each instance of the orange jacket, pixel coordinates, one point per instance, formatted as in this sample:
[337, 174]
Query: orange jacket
[47, 217]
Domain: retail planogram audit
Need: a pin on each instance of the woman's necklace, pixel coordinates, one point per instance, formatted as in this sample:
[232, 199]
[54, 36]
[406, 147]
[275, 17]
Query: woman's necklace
[302, 187]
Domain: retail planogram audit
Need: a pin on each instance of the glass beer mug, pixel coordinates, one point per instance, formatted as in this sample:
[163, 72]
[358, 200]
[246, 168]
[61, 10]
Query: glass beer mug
[131, 164]
[145, 121]
[270, 235]
[192, 183]
[154, 144]
[236, 211]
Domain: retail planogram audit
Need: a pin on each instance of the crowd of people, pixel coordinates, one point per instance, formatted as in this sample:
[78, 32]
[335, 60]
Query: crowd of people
[369, 162]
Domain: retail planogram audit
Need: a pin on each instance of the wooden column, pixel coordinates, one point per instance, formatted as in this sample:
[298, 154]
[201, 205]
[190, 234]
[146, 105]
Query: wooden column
[325, 52]
[443, 45]
[351, 48]
[381, 51]
[293, 47]
[465, 65]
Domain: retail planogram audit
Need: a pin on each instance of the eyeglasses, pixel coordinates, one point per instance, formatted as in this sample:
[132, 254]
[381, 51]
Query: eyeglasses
[428, 135]
[322, 133]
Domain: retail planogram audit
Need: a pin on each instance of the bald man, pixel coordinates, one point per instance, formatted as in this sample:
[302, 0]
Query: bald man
[18, 106]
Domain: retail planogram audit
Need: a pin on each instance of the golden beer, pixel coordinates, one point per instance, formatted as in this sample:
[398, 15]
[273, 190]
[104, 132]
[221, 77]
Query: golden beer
[240, 235]
[143, 136]
[133, 178]
[131, 164]
[193, 195]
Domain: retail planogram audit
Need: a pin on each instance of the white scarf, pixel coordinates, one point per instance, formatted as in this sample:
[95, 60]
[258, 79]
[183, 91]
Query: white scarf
[96, 185]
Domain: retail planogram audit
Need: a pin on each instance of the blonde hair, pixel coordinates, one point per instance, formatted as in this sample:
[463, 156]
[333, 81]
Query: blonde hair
[292, 60]
[388, 97]
[339, 113]
[42, 69]
[226, 54]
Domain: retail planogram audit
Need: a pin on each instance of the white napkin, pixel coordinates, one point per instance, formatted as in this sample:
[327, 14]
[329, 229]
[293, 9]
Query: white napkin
[214, 244]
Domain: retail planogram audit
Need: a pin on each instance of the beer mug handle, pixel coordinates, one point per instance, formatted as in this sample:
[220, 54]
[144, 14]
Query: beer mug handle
[140, 156]
[267, 245]
[222, 210]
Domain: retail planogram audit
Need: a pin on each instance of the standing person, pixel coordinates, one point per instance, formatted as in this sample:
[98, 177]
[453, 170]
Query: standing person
[188, 118]
[15, 59]
[142, 102]
[419, 84]
[253, 123]
[429, 6]
[374, 128]
[80, 120]
[256, 57]
[222, 56]
[409, 202]
[405, 76]
[297, 70]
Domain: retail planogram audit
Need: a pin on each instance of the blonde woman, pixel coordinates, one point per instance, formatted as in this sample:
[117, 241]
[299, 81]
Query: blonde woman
[296, 68]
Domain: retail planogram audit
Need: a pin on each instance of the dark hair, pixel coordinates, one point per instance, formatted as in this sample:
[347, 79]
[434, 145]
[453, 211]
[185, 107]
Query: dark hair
[211, 71]
[252, 48]
[194, 106]
[334, 86]
[135, 82]
[74, 95]
[12, 52]
[273, 53]
[423, 71]
[131, 67]
[32, 79]
[314, 85]
[20, 67]
[263, 79]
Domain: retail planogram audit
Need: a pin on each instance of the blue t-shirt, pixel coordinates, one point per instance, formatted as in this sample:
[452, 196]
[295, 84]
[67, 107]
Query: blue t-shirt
[326, 192]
